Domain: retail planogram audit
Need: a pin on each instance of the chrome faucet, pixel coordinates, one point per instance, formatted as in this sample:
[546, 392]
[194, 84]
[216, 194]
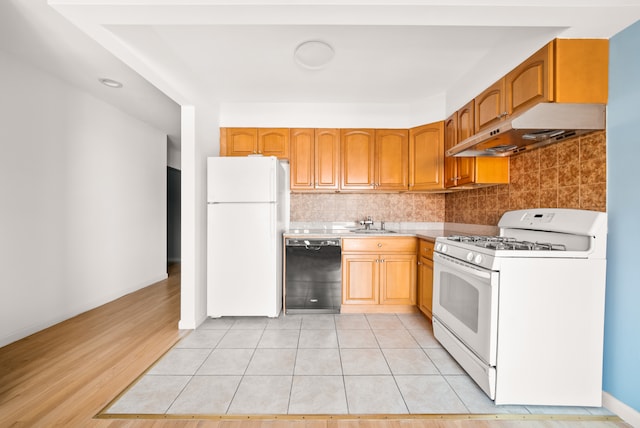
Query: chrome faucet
[367, 223]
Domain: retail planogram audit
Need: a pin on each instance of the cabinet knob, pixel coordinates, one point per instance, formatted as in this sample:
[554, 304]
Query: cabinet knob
[379, 245]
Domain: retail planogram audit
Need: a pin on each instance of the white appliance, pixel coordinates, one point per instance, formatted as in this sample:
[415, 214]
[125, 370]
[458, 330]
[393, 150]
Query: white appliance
[523, 312]
[247, 212]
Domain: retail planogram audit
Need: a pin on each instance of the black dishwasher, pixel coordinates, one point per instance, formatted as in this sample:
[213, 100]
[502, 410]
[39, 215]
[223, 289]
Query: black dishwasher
[313, 276]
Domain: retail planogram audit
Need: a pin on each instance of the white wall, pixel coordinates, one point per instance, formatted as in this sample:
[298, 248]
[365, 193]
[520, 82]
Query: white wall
[200, 139]
[83, 201]
[318, 115]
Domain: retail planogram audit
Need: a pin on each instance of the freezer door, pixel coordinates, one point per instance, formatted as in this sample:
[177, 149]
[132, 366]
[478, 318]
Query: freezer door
[242, 179]
[244, 277]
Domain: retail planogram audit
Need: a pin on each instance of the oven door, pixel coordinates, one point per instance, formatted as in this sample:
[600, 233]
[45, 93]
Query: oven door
[465, 302]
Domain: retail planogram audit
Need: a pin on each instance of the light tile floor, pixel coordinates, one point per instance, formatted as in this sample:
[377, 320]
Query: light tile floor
[313, 364]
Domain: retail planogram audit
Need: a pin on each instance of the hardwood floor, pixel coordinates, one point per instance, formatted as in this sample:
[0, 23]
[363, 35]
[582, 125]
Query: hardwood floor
[64, 375]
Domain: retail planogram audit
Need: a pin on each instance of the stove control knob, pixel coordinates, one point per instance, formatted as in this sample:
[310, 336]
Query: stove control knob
[478, 259]
[470, 256]
[438, 246]
[444, 248]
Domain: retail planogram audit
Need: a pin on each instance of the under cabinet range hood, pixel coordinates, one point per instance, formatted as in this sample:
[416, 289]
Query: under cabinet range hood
[541, 125]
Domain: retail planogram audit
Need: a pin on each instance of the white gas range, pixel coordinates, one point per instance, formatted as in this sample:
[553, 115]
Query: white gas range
[523, 312]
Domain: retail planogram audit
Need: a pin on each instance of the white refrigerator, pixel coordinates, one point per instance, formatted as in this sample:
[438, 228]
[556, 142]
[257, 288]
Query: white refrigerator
[247, 213]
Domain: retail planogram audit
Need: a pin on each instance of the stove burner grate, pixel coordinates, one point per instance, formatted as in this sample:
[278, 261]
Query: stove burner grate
[507, 243]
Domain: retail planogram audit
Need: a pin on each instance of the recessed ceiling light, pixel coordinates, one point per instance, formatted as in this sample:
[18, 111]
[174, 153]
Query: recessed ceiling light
[313, 54]
[110, 82]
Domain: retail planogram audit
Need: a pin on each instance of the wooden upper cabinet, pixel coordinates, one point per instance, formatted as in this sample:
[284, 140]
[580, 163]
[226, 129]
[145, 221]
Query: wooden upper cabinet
[273, 142]
[327, 159]
[563, 71]
[250, 141]
[426, 154]
[391, 159]
[302, 159]
[459, 126]
[238, 141]
[529, 83]
[490, 106]
[357, 170]
[314, 159]
[461, 171]
[450, 140]
[581, 70]
[465, 166]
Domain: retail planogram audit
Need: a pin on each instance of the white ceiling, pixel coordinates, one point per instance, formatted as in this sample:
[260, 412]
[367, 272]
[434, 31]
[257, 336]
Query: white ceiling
[217, 51]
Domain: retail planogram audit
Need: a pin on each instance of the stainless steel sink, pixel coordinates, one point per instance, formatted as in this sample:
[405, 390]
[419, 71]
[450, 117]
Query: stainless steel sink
[373, 231]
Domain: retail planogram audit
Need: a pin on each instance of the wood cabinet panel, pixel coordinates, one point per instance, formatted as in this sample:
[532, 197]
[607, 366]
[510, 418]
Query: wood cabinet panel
[465, 166]
[425, 286]
[391, 159]
[398, 279]
[425, 277]
[302, 159]
[238, 141]
[451, 139]
[360, 282]
[530, 82]
[327, 159]
[490, 106]
[580, 71]
[273, 142]
[426, 157]
[425, 249]
[357, 159]
[378, 245]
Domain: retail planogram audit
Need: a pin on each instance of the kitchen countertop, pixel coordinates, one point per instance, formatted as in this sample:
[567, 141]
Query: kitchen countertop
[428, 234]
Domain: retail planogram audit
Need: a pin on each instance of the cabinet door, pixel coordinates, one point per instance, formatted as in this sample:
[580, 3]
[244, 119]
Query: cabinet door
[426, 154]
[580, 70]
[528, 83]
[360, 279]
[327, 158]
[391, 159]
[425, 286]
[239, 142]
[357, 155]
[302, 159]
[450, 140]
[273, 142]
[489, 106]
[465, 166]
[397, 279]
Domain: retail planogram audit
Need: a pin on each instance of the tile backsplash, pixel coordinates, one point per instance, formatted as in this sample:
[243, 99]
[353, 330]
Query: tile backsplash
[350, 207]
[571, 174]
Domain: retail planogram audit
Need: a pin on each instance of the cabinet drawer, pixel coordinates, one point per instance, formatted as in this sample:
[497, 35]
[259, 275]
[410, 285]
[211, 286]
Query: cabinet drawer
[426, 249]
[377, 245]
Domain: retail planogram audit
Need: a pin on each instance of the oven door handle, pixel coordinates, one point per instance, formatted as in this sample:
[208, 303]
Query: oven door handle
[461, 266]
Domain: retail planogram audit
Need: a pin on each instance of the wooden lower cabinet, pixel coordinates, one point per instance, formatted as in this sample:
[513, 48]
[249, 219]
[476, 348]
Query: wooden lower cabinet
[425, 277]
[379, 274]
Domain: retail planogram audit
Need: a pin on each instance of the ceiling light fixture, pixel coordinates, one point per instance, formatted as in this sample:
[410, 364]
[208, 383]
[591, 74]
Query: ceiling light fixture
[313, 54]
[110, 82]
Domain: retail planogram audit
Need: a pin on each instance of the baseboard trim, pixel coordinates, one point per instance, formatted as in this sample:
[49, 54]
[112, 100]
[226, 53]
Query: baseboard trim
[626, 412]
